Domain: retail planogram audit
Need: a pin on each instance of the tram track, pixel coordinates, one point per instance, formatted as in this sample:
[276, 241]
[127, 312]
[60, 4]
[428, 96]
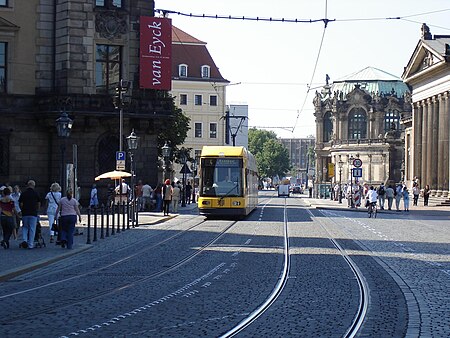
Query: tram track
[361, 311]
[119, 288]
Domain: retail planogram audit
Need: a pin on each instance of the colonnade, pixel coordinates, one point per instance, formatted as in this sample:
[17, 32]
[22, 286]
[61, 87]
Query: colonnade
[431, 143]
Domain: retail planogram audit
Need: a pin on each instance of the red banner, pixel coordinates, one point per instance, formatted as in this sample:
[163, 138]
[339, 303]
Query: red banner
[156, 53]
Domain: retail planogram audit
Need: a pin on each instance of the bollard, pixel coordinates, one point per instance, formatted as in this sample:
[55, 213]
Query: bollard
[107, 221]
[136, 218]
[123, 216]
[113, 228]
[118, 218]
[89, 227]
[102, 235]
[95, 225]
[128, 218]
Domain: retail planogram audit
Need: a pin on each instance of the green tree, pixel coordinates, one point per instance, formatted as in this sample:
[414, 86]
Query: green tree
[272, 158]
[174, 132]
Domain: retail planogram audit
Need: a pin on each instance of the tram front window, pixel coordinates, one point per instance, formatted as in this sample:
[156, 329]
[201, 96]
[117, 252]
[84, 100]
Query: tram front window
[221, 177]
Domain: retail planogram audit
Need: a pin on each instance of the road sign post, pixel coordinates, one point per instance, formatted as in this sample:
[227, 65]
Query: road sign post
[120, 160]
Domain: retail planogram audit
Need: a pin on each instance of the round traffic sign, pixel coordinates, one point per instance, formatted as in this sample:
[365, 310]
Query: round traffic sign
[357, 163]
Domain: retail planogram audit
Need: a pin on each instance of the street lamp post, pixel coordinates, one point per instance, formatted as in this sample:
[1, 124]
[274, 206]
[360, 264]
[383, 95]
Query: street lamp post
[166, 154]
[194, 173]
[133, 143]
[63, 127]
[340, 165]
[350, 163]
[119, 101]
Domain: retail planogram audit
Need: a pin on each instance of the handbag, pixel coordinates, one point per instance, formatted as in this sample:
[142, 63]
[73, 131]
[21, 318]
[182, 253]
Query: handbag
[55, 226]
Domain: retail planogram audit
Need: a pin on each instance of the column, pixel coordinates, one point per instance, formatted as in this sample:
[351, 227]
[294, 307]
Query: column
[423, 175]
[433, 157]
[416, 150]
[442, 159]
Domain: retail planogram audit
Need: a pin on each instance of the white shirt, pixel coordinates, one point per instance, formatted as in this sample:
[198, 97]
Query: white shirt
[372, 196]
[146, 190]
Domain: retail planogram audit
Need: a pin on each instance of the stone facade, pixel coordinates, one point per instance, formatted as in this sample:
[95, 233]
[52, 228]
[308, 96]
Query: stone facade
[359, 117]
[51, 67]
[427, 133]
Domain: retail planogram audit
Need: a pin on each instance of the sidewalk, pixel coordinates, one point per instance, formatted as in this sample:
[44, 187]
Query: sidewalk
[328, 204]
[16, 261]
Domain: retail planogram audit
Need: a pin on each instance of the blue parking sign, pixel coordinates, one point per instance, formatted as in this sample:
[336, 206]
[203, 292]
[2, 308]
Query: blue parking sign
[357, 172]
[120, 156]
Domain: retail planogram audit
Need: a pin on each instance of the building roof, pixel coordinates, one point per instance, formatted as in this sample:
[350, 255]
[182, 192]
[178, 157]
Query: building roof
[372, 80]
[192, 52]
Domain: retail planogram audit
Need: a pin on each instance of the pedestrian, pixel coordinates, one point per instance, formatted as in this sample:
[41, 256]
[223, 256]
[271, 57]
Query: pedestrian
[110, 197]
[138, 195]
[176, 192]
[390, 196]
[405, 194]
[18, 215]
[381, 196]
[158, 197]
[30, 203]
[93, 202]
[68, 209]
[166, 196]
[146, 197]
[194, 194]
[7, 210]
[398, 196]
[188, 192]
[122, 191]
[416, 193]
[52, 199]
[310, 189]
[426, 195]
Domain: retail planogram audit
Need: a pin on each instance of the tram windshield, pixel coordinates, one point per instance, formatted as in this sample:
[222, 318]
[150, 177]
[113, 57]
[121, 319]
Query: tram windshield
[221, 177]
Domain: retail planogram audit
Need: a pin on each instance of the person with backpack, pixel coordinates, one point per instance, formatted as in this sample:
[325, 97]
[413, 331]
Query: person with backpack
[381, 196]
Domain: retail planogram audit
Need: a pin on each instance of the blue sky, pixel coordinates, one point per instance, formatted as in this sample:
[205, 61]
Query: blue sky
[271, 64]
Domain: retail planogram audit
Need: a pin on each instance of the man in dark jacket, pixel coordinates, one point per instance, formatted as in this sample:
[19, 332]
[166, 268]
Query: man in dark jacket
[30, 204]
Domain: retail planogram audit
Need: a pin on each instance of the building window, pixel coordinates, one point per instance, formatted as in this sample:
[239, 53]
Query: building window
[198, 100]
[357, 124]
[213, 100]
[213, 130]
[182, 70]
[3, 57]
[108, 3]
[107, 68]
[205, 71]
[183, 99]
[3, 3]
[198, 130]
[327, 127]
[391, 120]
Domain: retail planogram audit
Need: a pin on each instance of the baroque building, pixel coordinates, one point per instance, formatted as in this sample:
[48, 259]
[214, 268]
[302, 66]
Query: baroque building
[199, 90]
[427, 130]
[69, 56]
[358, 117]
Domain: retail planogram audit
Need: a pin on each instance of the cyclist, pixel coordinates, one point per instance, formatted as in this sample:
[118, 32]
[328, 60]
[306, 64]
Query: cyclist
[371, 198]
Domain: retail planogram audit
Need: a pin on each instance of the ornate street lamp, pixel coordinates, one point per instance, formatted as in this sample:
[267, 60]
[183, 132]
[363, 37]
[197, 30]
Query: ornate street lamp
[63, 127]
[340, 165]
[133, 143]
[166, 154]
[184, 168]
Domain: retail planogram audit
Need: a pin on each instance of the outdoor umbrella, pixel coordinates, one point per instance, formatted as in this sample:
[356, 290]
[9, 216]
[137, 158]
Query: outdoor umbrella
[114, 175]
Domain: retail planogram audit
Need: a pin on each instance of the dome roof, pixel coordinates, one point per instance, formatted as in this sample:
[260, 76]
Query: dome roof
[372, 80]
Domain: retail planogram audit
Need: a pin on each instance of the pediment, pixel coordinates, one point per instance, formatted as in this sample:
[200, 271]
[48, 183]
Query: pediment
[423, 58]
[6, 25]
[358, 96]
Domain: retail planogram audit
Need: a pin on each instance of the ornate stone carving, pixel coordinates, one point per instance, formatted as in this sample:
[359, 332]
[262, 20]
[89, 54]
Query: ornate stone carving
[110, 24]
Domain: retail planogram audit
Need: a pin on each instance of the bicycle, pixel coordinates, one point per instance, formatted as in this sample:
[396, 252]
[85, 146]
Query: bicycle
[372, 209]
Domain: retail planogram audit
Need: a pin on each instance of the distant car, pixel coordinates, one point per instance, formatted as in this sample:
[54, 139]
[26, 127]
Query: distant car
[297, 189]
[283, 190]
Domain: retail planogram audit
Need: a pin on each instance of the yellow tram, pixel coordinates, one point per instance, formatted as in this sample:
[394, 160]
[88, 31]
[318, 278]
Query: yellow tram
[228, 182]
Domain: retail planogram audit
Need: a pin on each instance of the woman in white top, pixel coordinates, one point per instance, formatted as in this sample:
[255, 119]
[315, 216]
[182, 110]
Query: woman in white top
[69, 212]
[52, 198]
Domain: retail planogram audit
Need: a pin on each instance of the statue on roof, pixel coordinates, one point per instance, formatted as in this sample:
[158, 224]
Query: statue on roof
[426, 34]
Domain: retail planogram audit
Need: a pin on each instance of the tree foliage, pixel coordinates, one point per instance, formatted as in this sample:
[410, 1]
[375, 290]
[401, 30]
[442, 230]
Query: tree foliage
[272, 158]
[174, 133]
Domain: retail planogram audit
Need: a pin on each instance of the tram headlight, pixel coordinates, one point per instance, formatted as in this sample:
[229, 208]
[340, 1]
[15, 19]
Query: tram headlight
[206, 203]
[236, 203]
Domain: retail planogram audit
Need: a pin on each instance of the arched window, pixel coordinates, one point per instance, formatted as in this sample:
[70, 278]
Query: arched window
[182, 70]
[357, 124]
[205, 71]
[107, 148]
[391, 120]
[327, 127]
